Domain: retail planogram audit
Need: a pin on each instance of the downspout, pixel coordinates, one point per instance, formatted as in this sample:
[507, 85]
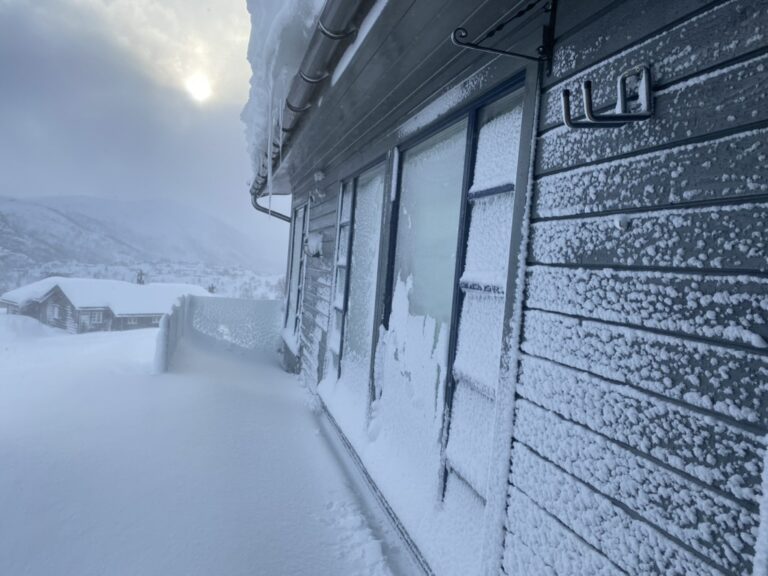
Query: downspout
[333, 26]
[255, 203]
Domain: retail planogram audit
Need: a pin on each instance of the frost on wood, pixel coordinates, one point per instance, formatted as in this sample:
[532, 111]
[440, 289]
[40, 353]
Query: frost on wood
[537, 543]
[633, 545]
[714, 526]
[732, 308]
[737, 95]
[729, 382]
[683, 174]
[678, 52]
[497, 149]
[731, 237]
[717, 454]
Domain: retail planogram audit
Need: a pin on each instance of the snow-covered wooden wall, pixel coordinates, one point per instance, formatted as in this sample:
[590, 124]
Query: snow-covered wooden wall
[641, 406]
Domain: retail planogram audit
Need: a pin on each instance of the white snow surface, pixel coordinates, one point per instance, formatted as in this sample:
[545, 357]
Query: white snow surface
[221, 468]
[123, 298]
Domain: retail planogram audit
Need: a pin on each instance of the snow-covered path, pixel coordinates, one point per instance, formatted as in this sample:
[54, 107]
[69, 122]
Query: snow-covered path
[221, 469]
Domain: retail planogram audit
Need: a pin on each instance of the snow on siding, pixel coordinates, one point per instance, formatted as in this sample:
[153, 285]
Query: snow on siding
[538, 544]
[717, 454]
[731, 237]
[729, 382]
[683, 50]
[736, 94]
[733, 308]
[635, 546]
[649, 446]
[714, 526]
[682, 174]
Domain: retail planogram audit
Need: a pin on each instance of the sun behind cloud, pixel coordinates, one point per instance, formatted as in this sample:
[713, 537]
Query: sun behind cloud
[198, 86]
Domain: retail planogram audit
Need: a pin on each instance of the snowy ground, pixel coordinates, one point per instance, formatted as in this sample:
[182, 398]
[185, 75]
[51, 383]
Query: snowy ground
[222, 468]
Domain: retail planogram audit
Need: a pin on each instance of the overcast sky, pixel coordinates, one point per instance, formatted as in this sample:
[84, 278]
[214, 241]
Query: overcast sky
[132, 99]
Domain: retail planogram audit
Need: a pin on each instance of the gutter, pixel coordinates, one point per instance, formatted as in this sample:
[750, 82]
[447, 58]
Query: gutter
[333, 27]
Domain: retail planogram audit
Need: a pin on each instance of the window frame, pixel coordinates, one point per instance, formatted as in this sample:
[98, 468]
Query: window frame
[300, 270]
[522, 81]
[352, 180]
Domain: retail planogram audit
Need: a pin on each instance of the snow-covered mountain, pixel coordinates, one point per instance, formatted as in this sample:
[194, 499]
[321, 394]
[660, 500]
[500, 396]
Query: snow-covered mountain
[109, 231]
[103, 237]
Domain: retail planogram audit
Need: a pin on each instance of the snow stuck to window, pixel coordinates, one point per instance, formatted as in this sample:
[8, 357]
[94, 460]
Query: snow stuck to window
[280, 34]
[365, 27]
[490, 228]
[405, 427]
[497, 150]
[348, 397]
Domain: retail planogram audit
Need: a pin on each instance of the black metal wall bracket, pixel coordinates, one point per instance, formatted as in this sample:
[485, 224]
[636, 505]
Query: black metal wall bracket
[544, 51]
[622, 116]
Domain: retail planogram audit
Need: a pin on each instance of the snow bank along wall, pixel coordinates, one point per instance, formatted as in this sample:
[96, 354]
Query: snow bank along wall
[251, 326]
[587, 392]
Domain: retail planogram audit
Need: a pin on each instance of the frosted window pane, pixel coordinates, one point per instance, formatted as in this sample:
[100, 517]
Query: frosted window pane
[358, 327]
[490, 230]
[498, 144]
[298, 228]
[428, 225]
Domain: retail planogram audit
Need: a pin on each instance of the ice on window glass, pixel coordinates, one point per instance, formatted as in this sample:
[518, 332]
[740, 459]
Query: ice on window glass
[358, 328]
[498, 144]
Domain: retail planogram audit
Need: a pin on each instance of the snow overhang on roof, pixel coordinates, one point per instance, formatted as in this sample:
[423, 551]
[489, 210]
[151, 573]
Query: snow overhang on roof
[333, 30]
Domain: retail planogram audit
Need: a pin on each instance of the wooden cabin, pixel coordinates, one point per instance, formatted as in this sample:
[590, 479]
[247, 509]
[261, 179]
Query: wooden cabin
[93, 305]
[538, 312]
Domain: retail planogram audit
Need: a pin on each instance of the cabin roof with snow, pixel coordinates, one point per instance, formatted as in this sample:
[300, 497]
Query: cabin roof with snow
[123, 298]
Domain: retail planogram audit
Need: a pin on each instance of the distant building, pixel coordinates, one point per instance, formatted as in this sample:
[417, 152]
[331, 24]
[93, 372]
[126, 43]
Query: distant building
[89, 305]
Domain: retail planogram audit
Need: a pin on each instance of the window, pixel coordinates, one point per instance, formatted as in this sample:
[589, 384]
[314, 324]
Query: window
[437, 366]
[133, 321]
[97, 317]
[55, 312]
[156, 320]
[355, 275]
[298, 264]
[428, 222]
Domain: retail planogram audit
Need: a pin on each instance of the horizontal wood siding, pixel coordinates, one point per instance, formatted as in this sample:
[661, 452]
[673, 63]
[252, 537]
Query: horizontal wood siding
[641, 407]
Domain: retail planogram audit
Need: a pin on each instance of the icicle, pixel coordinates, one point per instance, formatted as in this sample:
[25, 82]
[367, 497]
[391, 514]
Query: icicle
[280, 128]
[270, 128]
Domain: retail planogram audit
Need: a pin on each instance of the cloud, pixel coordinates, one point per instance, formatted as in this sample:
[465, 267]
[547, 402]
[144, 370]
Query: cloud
[87, 108]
